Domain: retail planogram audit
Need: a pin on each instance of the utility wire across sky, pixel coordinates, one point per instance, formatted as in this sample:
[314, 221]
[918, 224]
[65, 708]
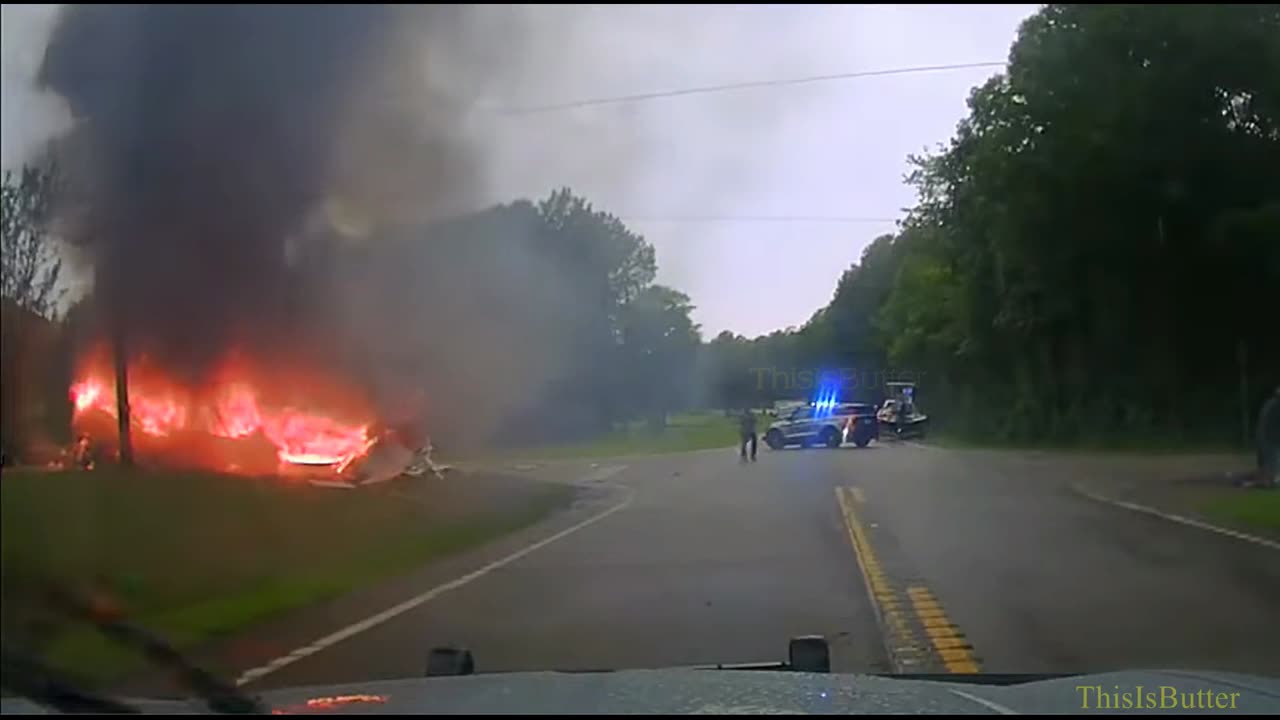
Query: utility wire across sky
[756, 219]
[728, 87]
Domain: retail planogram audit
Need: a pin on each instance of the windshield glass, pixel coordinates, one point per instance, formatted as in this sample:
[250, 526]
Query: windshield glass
[652, 336]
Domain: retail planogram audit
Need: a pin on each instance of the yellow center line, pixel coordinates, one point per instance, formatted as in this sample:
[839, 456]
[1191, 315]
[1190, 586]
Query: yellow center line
[884, 601]
[947, 643]
[925, 614]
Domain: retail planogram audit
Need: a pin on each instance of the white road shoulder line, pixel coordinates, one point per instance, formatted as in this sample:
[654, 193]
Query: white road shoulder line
[601, 474]
[374, 620]
[993, 706]
[1192, 522]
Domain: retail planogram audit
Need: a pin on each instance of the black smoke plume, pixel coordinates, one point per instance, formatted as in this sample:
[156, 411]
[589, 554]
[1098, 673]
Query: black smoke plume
[210, 138]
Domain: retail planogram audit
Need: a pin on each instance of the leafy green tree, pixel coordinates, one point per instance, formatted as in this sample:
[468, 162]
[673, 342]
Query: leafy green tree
[1095, 252]
[30, 265]
[659, 342]
[605, 266]
[538, 321]
[1121, 168]
[30, 291]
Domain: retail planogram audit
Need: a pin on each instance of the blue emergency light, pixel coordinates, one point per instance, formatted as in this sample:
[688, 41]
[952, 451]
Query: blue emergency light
[825, 400]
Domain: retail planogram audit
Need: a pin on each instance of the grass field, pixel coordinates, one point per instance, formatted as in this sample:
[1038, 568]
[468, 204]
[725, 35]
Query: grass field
[197, 556]
[683, 432]
[1258, 509]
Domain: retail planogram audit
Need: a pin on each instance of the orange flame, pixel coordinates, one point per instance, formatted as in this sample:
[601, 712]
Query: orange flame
[218, 425]
[87, 394]
[237, 413]
[158, 416]
[314, 439]
[333, 702]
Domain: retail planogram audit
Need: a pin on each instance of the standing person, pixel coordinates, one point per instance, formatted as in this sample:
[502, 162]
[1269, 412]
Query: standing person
[1269, 441]
[84, 452]
[747, 433]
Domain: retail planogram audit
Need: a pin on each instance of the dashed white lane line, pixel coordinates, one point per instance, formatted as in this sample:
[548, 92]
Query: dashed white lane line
[1192, 522]
[374, 620]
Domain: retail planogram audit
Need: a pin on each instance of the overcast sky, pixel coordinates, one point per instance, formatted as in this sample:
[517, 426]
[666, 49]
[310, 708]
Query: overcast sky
[823, 149]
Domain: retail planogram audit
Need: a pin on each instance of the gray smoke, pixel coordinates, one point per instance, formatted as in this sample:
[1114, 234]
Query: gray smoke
[214, 144]
[209, 137]
[268, 178]
[28, 117]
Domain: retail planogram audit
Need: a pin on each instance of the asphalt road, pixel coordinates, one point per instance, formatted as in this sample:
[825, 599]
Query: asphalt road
[694, 558]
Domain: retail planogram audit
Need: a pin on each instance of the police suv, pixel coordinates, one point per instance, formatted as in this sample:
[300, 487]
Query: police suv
[830, 424]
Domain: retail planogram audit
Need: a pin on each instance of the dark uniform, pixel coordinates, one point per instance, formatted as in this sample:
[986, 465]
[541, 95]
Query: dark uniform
[1269, 441]
[747, 431]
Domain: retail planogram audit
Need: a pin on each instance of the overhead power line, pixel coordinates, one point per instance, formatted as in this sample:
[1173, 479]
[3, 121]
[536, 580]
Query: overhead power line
[728, 87]
[757, 219]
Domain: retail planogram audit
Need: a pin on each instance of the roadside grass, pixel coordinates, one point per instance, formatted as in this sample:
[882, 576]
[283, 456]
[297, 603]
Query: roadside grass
[1121, 445]
[690, 431]
[1254, 508]
[196, 556]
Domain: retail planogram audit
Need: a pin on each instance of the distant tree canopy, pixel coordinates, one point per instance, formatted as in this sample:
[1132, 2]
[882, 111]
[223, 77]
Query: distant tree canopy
[1097, 250]
[537, 321]
[658, 343]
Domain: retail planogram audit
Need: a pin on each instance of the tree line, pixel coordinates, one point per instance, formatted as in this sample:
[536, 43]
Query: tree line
[1096, 251]
[30, 293]
[528, 322]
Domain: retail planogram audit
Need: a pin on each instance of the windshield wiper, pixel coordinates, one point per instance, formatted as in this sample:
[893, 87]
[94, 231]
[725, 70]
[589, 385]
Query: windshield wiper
[42, 685]
[220, 696]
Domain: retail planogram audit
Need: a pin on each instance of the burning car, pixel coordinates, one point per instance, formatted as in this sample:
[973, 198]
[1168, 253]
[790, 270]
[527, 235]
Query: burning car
[242, 420]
